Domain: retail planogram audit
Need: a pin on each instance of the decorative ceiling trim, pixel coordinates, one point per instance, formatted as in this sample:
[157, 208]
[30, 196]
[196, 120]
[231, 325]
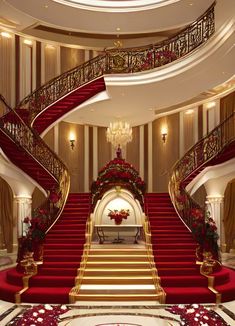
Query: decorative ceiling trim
[116, 6]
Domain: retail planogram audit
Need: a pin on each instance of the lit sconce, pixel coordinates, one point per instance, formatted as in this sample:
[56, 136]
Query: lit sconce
[5, 34]
[28, 42]
[210, 105]
[164, 133]
[190, 111]
[50, 47]
[72, 139]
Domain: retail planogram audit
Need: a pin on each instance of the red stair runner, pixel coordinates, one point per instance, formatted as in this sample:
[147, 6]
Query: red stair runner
[63, 249]
[61, 107]
[174, 255]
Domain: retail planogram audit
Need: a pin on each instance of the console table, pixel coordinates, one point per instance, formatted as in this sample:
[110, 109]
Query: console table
[103, 229]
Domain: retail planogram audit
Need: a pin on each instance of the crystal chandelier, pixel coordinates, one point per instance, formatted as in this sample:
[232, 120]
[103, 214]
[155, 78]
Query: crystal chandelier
[119, 133]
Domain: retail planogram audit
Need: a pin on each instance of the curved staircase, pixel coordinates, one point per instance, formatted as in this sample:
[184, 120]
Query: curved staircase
[172, 243]
[174, 254]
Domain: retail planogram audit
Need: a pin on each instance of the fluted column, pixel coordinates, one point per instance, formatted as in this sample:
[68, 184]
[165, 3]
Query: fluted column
[23, 209]
[215, 207]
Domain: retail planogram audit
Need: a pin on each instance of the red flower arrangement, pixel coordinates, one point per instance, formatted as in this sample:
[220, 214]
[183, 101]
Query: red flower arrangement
[40, 315]
[204, 230]
[54, 196]
[118, 215]
[118, 172]
[34, 231]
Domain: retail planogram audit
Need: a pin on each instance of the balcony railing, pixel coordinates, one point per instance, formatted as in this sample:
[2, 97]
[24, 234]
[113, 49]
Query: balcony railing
[197, 157]
[123, 61]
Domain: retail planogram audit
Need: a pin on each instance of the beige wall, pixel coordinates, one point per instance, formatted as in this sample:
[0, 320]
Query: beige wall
[50, 57]
[132, 149]
[74, 159]
[104, 148]
[71, 58]
[164, 154]
[6, 70]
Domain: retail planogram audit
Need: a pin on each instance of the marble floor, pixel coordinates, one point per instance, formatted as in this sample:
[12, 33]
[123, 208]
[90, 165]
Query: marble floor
[115, 314]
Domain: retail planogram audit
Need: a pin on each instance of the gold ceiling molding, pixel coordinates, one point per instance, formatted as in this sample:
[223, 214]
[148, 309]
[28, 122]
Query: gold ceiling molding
[215, 92]
[165, 34]
[7, 23]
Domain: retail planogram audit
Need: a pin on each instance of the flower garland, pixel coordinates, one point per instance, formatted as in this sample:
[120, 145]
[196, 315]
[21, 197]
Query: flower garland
[40, 315]
[194, 315]
[118, 171]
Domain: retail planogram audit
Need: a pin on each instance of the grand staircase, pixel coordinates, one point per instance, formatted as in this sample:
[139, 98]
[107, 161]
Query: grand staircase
[174, 254]
[63, 250]
[118, 272]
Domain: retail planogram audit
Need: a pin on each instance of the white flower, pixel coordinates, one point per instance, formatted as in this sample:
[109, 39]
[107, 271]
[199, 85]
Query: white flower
[197, 315]
[35, 314]
[40, 320]
[48, 307]
[181, 306]
[205, 317]
[63, 307]
[195, 306]
[41, 311]
[196, 319]
[190, 311]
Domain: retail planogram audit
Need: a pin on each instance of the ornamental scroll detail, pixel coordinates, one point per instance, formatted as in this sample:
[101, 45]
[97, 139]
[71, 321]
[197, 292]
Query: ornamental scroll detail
[129, 60]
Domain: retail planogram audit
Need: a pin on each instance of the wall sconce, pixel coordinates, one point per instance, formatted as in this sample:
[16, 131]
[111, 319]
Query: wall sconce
[72, 140]
[164, 133]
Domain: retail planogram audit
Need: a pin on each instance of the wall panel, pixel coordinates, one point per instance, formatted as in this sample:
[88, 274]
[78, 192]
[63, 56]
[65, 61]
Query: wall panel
[104, 148]
[132, 149]
[6, 66]
[71, 58]
[164, 154]
[50, 55]
[74, 159]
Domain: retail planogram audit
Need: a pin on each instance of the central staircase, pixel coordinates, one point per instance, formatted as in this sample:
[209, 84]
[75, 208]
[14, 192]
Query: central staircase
[118, 272]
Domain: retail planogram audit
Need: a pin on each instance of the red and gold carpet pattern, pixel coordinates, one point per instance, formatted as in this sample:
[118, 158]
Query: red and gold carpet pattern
[174, 254]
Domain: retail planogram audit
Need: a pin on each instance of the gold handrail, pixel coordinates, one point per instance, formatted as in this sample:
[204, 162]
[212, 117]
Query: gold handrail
[27, 140]
[196, 158]
[80, 272]
[156, 279]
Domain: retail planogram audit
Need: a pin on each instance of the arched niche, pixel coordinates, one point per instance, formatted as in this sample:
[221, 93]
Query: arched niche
[117, 198]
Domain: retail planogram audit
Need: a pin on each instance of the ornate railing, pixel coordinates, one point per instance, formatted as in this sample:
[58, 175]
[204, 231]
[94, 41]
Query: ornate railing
[197, 157]
[27, 140]
[86, 250]
[122, 61]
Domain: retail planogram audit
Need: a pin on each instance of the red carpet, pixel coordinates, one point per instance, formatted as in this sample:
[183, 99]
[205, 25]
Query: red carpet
[69, 102]
[62, 255]
[174, 254]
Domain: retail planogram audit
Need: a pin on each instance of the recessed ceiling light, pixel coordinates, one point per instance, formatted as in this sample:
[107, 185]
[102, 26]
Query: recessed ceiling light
[118, 29]
[46, 6]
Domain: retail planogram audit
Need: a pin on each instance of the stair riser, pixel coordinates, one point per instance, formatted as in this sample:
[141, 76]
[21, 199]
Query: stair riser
[116, 281]
[110, 273]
